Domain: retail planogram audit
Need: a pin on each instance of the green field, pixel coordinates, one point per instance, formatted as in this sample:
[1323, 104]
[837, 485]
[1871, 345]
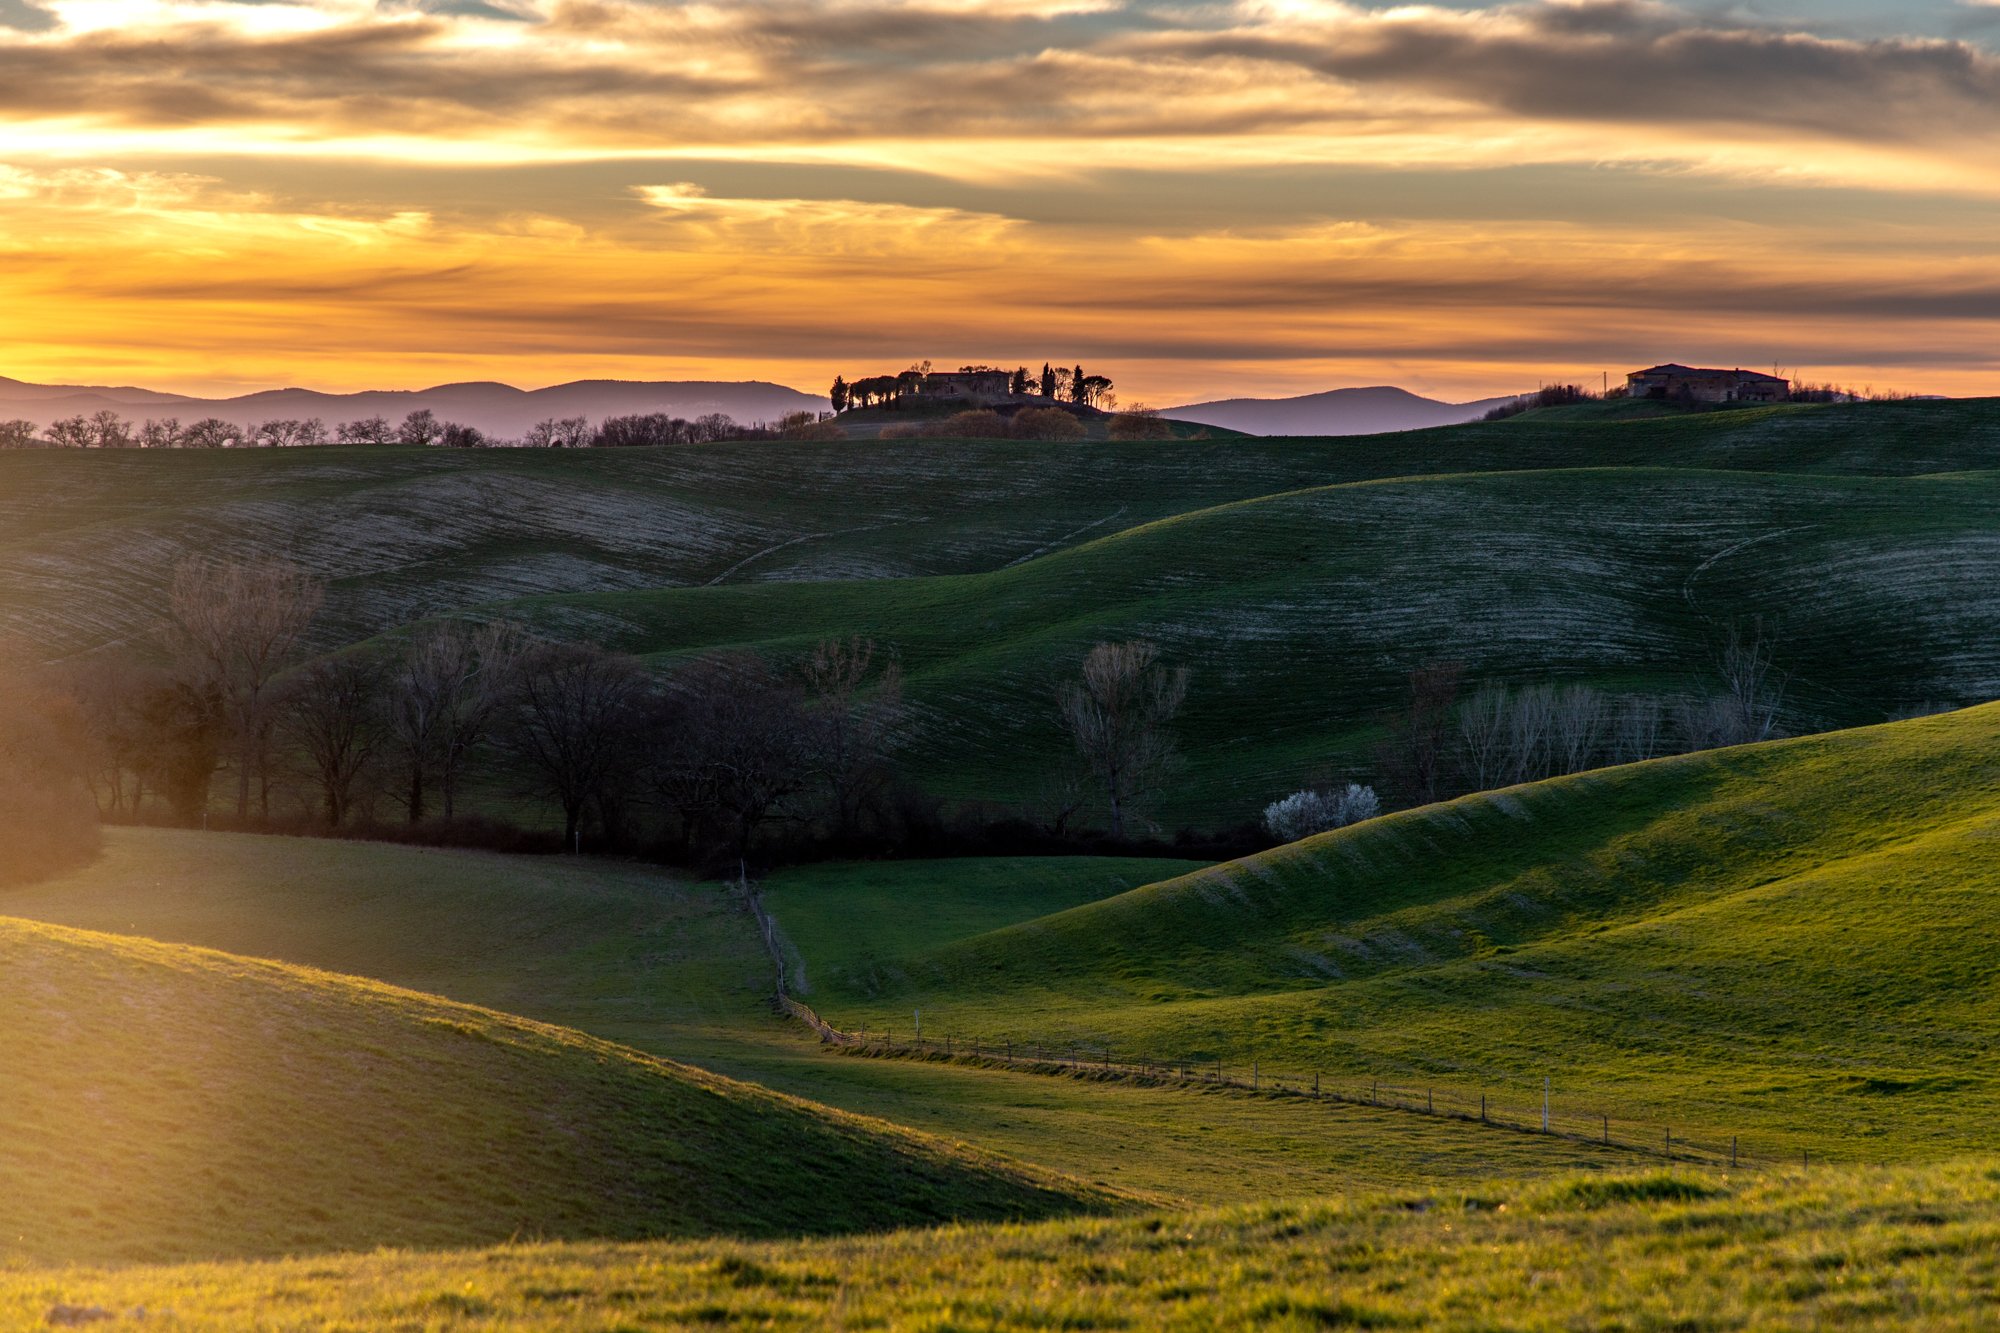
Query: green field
[1787, 940]
[862, 916]
[675, 968]
[1301, 614]
[88, 538]
[1300, 580]
[557, 1087]
[1863, 1249]
[165, 1102]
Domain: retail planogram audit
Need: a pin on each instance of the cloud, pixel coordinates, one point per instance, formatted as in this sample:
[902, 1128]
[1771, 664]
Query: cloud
[985, 208]
[1624, 62]
[1265, 80]
[25, 16]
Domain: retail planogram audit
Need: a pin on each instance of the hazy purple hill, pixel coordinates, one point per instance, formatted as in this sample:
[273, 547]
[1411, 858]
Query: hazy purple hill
[497, 409]
[1371, 411]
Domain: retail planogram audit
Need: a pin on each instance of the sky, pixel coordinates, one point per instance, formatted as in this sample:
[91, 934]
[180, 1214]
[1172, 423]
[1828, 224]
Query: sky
[1200, 199]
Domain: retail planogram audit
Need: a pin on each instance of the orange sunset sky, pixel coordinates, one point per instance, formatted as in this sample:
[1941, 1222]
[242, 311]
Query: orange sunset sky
[1203, 199]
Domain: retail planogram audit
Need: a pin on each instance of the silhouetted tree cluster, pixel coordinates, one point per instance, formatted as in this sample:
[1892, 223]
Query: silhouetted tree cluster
[658, 429]
[1066, 384]
[706, 758]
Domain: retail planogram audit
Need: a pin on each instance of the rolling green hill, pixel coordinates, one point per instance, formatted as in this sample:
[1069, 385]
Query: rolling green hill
[675, 968]
[1868, 1249]
[1791, 939]
[165, 1102]
[1300, 614]
[87, 539]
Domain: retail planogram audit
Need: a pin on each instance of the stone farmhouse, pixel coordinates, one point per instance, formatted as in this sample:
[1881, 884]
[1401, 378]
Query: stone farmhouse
[1707, 386]
[962, 386]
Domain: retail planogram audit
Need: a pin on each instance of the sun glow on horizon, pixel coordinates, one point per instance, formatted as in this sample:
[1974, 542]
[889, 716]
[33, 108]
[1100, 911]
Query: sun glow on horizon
[1251, 197]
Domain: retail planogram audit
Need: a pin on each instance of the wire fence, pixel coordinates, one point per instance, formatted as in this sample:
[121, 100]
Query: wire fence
[1558, 1113]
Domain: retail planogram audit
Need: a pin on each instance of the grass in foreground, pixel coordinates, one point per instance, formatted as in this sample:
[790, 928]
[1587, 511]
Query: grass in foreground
[165, 1102]
[1864, 1249]
[676, 969]
[1790, 941]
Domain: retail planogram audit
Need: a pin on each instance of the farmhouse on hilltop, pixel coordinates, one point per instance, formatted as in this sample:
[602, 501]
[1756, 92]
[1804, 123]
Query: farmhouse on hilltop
[1707, 386]
[968, 386]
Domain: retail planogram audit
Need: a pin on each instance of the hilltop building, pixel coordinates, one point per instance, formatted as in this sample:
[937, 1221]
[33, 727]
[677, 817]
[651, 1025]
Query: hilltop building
[963, 386]
[1707, 386]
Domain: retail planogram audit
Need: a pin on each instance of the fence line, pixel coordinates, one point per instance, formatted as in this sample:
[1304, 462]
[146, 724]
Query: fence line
[1505, 1112]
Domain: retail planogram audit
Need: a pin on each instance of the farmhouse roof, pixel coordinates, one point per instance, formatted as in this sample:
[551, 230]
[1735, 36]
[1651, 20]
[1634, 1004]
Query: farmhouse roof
[1691, 372]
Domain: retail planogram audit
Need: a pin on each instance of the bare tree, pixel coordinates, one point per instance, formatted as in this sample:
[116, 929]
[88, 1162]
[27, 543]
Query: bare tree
[108, 430]
[211, 433]
[1482, 736]
[573, 723]
[855, 713]
[368, 430]
[232, 628]
[1119, 715]
[1640, 723]
[165, 433]
[1754, 689]
[736, 750]
[1530, 718]
[332, 710]
[71, 433]
[1578, 727]
[420, 428]
[481, 683]
[1704, 722]
[1418, 751]
[19, 434]
[560, 433]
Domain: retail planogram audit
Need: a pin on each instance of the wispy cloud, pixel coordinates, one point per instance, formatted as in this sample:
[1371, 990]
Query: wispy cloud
[1042, 99]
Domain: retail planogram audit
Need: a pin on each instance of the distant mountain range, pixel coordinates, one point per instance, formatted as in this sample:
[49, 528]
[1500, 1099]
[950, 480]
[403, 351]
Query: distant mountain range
[497, 409]
[1371, 411]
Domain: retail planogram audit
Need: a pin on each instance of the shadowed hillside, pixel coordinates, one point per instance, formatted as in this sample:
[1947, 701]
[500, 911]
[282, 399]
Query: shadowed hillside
[166, 1102]
[88, 538]
[1301, 614]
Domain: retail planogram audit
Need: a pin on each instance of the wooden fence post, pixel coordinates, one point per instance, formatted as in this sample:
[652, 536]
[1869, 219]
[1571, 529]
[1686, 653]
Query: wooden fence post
[1607, 1129]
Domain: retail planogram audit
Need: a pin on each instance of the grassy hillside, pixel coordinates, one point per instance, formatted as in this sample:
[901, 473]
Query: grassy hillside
[87, 539]
[1300, 614]
[1866, 1249]
[624, 952]
[1789, 939]
[869, 913]
[165, 1102]
[676, 968]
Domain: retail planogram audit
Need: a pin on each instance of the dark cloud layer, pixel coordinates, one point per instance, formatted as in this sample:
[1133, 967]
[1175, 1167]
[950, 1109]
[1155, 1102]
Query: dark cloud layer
[1632, 63]
[642, 75]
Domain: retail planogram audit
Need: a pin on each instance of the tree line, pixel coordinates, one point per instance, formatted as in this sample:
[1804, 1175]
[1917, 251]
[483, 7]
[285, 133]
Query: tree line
[420, 429]
[227, 712]
[1069, 384]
